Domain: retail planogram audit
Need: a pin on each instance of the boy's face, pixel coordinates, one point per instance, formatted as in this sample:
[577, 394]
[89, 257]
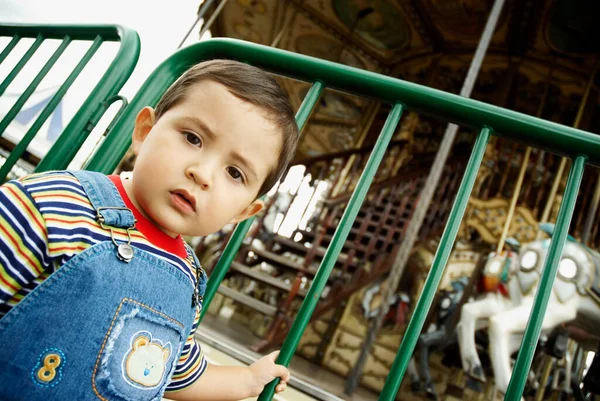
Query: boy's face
[201, 165]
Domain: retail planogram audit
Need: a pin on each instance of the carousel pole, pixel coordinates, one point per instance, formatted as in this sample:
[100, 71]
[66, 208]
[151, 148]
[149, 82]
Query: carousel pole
[418, 217]
[212, 18]
[371, 113]
[199, 16]
[563, 161]
[552, 195]
[587, 227]
[519, 184]
[286, 25]
[548, 363]
[513, 201]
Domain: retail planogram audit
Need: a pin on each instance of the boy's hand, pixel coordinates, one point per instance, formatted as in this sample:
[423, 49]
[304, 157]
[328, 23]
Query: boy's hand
[265, 371]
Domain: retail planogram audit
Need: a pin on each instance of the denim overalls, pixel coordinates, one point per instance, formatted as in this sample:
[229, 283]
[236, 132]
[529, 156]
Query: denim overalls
[110, 324]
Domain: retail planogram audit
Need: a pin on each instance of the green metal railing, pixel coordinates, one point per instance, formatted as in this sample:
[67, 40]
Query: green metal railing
[90, 112]
[489, 120]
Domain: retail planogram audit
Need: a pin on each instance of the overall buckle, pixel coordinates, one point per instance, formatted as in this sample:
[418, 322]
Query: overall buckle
[124, 251]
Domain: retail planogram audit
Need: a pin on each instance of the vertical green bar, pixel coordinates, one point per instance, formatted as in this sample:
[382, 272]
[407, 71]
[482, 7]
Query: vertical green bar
[220, 270]
[26, 57]
[337, 242]
[9, 47]
[534, 326]
[394, 379]
[14, 110]
[308, 104]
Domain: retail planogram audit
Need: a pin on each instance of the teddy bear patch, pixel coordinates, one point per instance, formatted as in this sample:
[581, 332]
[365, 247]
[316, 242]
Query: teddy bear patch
[145, 363]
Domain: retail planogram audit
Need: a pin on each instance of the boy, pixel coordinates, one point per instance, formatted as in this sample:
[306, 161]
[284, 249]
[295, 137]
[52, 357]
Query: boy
[99, 295]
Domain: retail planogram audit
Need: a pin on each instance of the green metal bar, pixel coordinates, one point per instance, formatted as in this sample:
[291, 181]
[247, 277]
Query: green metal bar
[308, 104]
[9, 47]
[109, 102]
[411, 335]
[15, 71]
[220, 270]
[14, 110]
[52, 104]
[559, 139]
[90, 112]
[337, 242]
[534, 326]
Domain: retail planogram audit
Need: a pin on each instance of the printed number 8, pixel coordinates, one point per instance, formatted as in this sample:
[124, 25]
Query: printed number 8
[47, 373]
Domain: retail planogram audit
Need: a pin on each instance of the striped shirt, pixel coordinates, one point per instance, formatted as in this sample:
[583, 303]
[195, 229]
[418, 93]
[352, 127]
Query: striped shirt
[46, 219]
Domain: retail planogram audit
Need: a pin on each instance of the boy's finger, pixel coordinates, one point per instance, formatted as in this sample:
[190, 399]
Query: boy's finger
[273, 355]
[281, 387]
[283, 373]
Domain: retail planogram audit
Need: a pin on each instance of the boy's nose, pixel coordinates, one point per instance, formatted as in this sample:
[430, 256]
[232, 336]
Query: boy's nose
[200, 175]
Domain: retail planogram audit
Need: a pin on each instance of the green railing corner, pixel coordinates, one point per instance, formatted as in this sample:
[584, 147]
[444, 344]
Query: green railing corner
[90, 112]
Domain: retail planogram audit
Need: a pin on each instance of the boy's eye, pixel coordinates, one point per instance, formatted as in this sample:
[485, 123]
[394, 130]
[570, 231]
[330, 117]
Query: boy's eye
[235, 173]
[192, 139]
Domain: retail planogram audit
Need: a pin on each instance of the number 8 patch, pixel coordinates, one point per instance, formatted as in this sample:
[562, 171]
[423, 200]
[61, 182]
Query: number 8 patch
[47, 372]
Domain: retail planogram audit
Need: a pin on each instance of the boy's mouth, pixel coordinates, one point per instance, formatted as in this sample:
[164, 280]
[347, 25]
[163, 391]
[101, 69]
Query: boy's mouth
[184, 199]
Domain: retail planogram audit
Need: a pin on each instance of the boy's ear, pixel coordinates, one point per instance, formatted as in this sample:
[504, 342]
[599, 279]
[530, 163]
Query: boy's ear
[143, 124]
[250, 210]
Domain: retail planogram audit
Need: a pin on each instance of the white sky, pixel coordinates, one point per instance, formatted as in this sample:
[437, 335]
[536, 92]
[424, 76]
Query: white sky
[161, 26]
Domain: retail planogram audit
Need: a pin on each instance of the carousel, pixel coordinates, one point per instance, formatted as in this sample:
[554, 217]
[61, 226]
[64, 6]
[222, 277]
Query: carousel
[542, 60]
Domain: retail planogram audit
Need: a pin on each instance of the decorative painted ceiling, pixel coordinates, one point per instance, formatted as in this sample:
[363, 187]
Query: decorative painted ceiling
[430, 42]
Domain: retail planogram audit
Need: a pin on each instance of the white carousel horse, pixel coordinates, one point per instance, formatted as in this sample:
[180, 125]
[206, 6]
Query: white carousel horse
[575, 299]
[501, 294]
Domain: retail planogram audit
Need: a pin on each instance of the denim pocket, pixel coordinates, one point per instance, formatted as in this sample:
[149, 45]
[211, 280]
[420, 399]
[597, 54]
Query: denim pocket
[138, 355]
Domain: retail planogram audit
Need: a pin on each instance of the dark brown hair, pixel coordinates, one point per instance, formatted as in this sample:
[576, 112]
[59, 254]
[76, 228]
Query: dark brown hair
[252, 85]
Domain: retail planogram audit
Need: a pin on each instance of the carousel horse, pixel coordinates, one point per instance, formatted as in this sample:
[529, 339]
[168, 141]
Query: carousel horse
[440, 335]
[501, 293]
[574, 300]
[398, 306]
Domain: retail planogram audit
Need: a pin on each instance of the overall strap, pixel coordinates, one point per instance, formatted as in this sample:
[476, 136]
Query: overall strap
[105, 199]
[201, 278]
